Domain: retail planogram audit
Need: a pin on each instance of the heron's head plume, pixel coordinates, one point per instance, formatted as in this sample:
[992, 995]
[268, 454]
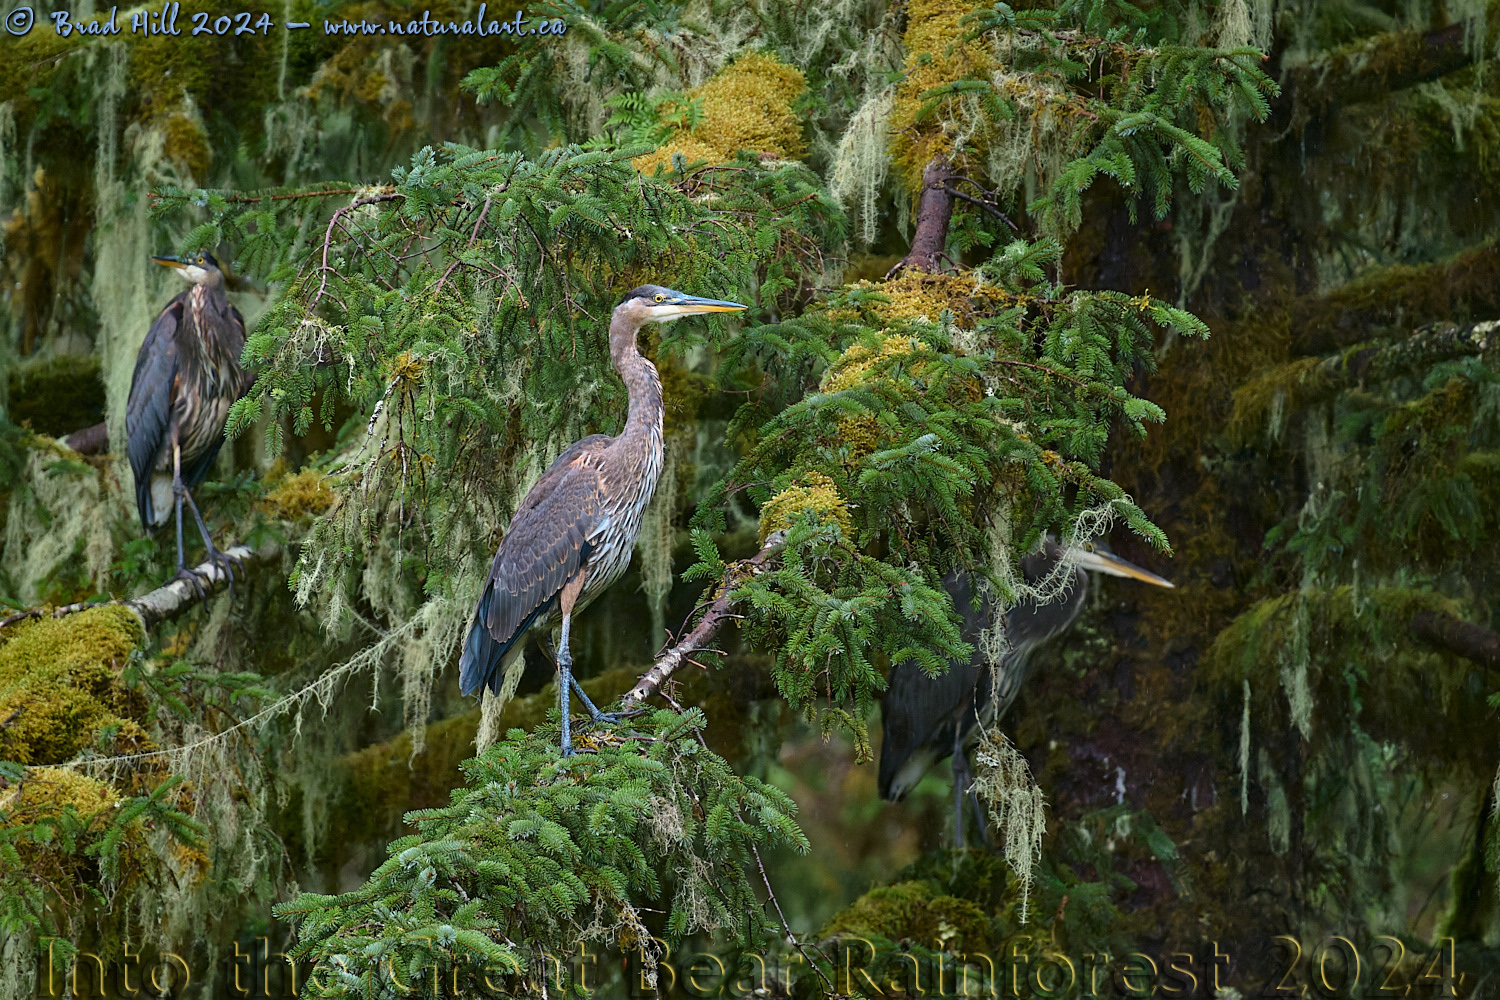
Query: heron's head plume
[198, 268]
[655, 304]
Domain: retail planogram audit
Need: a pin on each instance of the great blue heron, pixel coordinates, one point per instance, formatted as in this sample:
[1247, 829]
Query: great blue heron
[573, 533]
[925, 719]
[187, 376]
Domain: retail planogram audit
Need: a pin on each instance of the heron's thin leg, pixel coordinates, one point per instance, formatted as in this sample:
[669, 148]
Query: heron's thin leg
[984, 830]
[215, 557]
[594, 712]
[564, 680]
[960, 788]
[178, 492]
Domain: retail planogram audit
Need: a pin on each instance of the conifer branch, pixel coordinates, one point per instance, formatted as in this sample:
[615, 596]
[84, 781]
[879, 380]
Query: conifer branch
[719, 612]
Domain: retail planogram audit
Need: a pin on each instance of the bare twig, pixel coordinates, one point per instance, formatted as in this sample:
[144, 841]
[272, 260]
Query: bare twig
[787, 927]
[719, 612]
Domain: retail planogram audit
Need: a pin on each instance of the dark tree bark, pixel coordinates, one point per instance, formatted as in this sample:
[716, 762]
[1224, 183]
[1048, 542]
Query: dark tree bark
[1472, 642]
[934, 213]
[89, 441]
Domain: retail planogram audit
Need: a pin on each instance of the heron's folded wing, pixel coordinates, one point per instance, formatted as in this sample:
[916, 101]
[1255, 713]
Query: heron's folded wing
[545, 546]
[148, 409]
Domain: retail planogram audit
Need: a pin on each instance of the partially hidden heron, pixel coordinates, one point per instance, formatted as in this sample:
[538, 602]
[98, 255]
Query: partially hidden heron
[187, 376]
[573, 533]
[925, 719]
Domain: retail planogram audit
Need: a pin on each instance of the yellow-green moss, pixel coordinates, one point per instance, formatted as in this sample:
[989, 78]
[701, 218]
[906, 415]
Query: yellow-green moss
[819, 495]
[59, 682]
[853, 366]
[910, 911]
[861, 433]
[747, 105]
[934, 58]
[299, 495]
[45, 794]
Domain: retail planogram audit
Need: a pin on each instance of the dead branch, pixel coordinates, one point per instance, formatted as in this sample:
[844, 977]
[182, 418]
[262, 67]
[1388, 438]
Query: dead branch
[165, 603]
[934, 214]
[718, 613]
[90, 440]
[1472, 642]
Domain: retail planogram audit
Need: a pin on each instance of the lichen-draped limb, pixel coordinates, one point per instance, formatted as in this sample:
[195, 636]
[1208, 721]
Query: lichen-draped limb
[1376, 67]
[1276, 394]
[719, 612]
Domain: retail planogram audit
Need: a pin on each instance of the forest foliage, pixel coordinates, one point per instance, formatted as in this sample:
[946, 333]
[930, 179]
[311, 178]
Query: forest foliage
[1172, 289]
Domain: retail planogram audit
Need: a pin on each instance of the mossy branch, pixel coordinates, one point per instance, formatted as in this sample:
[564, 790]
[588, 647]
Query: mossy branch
[1373, 69]
[1388, 301]
[1308, 380]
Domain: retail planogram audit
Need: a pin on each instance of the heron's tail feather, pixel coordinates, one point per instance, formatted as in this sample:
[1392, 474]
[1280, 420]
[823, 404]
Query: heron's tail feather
[155, 500]
[483, 653]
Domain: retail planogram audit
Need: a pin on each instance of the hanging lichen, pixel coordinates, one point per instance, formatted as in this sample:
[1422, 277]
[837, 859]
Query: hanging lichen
[1017, 807]
[860, 163]
[58, 529]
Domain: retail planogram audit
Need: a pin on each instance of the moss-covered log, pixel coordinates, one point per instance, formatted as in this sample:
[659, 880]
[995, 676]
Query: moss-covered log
[1372, 69]
[1390, 300]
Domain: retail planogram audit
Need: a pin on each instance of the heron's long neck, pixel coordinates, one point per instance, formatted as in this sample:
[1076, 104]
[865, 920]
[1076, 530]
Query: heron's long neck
[641, 436]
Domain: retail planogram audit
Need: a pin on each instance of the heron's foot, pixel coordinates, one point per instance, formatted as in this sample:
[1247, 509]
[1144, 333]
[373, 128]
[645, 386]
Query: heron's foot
[612, 718]
[192, 579]
[227, 563]
[615, 718]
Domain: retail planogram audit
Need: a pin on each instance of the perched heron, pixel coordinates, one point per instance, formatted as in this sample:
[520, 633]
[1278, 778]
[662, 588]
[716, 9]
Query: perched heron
[187, 376]
[925, 719]
[574, 532]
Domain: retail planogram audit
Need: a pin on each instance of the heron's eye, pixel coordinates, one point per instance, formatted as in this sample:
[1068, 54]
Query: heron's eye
[660, 297]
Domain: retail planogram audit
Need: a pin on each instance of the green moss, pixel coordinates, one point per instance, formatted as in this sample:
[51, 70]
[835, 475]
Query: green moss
[911, 911]
[819, 496]
[60, 682]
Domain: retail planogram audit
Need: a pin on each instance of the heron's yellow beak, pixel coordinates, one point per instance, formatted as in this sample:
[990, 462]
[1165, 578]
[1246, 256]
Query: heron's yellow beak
[690, 304]
[1113, 565]
[169, 262]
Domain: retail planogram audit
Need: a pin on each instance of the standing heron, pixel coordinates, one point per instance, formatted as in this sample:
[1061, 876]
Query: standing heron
[187, 376]
[574, 532]
[925, 719]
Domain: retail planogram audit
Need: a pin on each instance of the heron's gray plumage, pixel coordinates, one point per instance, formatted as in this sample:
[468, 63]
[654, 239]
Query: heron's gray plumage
[187, 376]
[578, 525]
[919, 713]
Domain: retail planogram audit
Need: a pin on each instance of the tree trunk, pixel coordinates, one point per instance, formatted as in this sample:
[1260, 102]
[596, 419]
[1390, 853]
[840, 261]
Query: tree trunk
[934, 213]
